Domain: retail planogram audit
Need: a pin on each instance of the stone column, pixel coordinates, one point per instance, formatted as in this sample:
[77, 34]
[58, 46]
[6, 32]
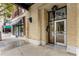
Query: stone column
[71, 27]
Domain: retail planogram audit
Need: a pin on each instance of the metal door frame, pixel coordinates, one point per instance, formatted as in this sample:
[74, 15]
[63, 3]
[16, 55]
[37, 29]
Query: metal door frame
[63, 44]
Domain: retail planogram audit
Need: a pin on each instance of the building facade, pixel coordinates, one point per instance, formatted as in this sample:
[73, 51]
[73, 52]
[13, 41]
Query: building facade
[49, 23]
[54, 23]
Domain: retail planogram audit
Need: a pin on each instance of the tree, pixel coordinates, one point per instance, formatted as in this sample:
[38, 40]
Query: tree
[7, 9]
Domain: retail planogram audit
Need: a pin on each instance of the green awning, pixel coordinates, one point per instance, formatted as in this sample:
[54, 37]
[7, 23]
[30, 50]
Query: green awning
[8, 27]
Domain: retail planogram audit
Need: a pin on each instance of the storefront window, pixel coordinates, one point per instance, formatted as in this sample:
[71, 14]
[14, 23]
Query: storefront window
[18, 28]
[7, 29]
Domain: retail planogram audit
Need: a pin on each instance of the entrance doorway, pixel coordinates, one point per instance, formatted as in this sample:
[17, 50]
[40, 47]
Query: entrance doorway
[57, 27]
[60, 32]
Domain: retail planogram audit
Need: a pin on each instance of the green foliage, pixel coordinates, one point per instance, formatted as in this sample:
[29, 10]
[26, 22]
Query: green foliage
[8, 8]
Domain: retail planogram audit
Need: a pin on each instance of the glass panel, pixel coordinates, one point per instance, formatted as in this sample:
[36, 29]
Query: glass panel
[16, 32]
[51, 38]
[51, 26]
[60, 27]
[60, 38]
[51, 32]
[51, 16]
[60, 32]
[60, 14]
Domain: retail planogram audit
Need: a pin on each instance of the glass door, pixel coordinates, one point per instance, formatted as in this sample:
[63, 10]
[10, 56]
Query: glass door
[57, 26]
[60, 32]
[51, 25]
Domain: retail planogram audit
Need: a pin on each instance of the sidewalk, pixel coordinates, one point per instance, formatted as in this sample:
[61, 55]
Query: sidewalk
[11, 43]
[7, 36]
[31, 50]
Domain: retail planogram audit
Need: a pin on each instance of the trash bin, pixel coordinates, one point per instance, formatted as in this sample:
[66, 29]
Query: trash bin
[0, 37]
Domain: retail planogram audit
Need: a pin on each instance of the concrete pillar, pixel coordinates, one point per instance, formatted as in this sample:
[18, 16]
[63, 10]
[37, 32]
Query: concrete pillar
[71, 27]
[44, 23]
[77, 49]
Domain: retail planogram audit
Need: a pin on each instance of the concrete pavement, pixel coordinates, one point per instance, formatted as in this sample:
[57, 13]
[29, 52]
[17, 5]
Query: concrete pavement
[32, 50]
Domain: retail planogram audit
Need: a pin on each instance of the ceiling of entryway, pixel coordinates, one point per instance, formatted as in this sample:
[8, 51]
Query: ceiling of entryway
[24, 5]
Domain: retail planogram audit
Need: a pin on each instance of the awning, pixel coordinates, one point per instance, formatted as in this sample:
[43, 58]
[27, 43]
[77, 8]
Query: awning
[8, 27]
[17, 19]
